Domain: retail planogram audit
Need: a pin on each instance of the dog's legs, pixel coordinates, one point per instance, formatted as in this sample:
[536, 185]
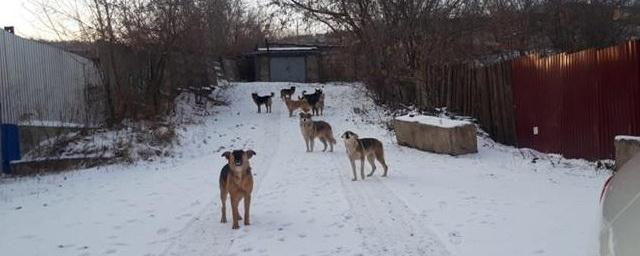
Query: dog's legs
[306, 141]
[258, 108]
[380, 157]
[234, 211]
[362, 167]
[371, 159]
[223, 200]
[384, 166]
[311, 142]
[238, 209]
[324, 142]
[353, 168]
[247, 203]
[332, 141]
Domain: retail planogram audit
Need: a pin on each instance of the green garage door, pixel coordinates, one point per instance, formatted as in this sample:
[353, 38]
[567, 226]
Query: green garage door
[288, 69]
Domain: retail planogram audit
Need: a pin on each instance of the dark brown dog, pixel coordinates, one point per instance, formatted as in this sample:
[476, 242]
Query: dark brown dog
[314, 100]
[286, 93]
[236, 180]
[263, 100]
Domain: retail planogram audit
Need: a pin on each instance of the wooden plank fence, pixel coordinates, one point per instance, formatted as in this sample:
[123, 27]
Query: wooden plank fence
[482, 92]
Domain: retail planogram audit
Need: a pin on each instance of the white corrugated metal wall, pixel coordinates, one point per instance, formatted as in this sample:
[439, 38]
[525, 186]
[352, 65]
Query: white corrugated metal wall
[42, 83]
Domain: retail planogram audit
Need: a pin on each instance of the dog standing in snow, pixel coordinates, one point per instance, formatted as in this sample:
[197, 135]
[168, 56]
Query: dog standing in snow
[263, 100]
[236, 181]
[316, 129]
[287, 93]
[292, 105]
[315, 100]
[359, 149]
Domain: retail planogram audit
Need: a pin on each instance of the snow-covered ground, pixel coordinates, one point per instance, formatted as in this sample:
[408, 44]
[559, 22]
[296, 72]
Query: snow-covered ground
[497, 202]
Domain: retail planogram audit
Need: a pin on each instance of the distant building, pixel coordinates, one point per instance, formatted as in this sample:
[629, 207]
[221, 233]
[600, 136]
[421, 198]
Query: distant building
[287, 63]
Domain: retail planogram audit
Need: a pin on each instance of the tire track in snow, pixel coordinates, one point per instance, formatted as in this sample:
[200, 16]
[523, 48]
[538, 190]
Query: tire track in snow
[388, 226]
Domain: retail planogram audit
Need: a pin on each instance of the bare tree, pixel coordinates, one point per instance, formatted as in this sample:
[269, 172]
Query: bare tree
[149, 48]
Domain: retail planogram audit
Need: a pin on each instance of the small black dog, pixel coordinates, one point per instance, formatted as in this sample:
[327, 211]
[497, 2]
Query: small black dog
[262, 100]
[313, 99]
[286, 93]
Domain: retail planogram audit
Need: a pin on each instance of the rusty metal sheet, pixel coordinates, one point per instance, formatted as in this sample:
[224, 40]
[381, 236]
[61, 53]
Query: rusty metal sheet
[575, 104]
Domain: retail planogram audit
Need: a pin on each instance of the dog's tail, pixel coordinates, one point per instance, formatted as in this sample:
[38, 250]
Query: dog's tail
[272, 94]
[331, 139]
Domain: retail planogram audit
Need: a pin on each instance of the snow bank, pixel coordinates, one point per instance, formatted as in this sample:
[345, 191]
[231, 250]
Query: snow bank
[433, 121]
[41, 123]
[627, 137]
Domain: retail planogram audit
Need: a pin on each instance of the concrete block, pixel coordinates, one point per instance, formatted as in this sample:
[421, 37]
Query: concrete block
[626, 148]
[438, 135]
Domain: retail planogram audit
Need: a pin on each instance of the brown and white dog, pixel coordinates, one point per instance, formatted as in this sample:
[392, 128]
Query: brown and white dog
[358, 149]
[263, 100]
[292, 105]
[316, 129]
[287, 93]
[236, 181]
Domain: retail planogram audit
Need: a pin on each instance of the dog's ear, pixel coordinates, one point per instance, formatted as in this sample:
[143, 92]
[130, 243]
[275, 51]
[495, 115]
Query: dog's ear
[345, 135]
[250, 153]
[226, 155]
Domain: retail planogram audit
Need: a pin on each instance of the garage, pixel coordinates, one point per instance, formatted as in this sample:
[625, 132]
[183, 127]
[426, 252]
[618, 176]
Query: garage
[287, 64]
[288, 69]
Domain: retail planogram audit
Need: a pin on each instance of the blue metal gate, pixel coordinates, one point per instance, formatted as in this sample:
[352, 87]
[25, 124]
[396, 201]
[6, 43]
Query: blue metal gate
[288, 69]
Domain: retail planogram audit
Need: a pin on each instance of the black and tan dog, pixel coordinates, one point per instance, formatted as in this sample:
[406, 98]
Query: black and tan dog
[287, 93]
[359, 149]
[263, 100]
[316, 129]
[315, 100]
[236, 181]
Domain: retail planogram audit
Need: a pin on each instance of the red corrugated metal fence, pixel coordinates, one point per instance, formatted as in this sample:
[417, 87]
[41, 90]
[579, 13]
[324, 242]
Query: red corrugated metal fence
[577, 102]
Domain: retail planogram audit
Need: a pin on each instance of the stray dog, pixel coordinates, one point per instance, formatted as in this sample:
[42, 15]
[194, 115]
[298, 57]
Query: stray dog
[262, 100]
[359, 149]
[292, 105]
[286, 93]
[320, 104]
[316, 129]
[313, 100]
[236, 180]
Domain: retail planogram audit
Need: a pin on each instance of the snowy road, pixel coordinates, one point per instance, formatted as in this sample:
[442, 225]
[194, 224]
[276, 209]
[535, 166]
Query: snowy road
[496, 202]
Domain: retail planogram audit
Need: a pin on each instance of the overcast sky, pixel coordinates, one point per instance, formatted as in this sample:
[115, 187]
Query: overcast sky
[14, 13]
[18, 13]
